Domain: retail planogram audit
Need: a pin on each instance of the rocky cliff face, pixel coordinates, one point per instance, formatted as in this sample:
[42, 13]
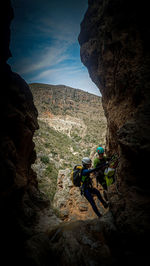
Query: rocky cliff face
[19, 194]
[71, 111]
[114, 41]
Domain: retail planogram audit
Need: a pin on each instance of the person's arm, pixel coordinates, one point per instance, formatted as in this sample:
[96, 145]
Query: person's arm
[102, 166]
[89, 171]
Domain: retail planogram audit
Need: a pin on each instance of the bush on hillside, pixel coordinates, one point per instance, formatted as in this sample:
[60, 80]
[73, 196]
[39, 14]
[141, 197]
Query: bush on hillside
[45, 159]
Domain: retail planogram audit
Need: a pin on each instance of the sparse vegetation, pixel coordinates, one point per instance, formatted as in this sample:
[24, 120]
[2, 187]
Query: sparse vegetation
[45, 159]
[49, 180]
[79, 126]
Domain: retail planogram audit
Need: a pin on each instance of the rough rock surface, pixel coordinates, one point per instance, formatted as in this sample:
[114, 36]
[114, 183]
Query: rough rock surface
[90, 242]
[114, 41]
[83, 243]
[20, 198]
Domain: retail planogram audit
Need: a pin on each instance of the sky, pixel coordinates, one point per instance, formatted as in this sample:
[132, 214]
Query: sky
[44, 43]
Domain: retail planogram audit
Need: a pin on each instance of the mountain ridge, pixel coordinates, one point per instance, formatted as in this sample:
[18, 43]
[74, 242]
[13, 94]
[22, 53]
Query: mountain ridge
[62, 86]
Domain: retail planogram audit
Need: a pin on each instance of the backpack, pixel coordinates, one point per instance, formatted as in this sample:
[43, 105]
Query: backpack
[76, 175]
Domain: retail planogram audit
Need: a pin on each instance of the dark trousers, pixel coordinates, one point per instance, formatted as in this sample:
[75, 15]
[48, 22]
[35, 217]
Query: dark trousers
[88, 195]
[100, 179]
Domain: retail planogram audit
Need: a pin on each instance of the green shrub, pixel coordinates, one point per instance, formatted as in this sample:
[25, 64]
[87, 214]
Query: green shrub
[49, 169]
[47, 145]
[50, 188]
[45, 159]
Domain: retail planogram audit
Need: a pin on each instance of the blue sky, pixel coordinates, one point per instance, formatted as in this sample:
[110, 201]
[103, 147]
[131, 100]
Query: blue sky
[44, 43]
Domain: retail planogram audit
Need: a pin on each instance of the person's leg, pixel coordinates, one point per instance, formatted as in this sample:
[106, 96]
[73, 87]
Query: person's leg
[89, 197]
[104, 185]
[97, 193]
[99, 177]
[97, 180]
[105, 195]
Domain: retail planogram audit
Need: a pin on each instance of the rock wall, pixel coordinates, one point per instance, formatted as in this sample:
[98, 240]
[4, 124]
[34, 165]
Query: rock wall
[114, 42]
[19, 195]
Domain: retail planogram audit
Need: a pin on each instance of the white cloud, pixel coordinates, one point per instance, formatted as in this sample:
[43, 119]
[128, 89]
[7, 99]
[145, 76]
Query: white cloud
[53, 57]
[63, 71]
[73, 76]
[45, 57]
[62, 31]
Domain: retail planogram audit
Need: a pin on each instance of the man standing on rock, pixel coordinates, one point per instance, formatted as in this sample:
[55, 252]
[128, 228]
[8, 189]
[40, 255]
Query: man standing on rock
[103, 177]
[100, 173]
[86, 185]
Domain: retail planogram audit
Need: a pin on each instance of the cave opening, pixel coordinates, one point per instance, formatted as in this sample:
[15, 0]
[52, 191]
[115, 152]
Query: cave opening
[71, 122]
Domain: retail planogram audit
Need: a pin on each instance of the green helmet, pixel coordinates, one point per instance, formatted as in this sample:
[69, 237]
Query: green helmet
[100, 150]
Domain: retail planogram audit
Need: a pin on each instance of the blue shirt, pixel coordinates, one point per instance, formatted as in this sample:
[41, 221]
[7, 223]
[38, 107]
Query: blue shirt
[86, 175]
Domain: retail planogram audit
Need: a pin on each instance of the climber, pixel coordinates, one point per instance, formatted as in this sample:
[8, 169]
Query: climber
[97, 161]
[86, 185]
[100, 178]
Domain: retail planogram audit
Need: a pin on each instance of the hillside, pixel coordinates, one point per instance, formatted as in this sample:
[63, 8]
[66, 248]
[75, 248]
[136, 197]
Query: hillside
[69, 129]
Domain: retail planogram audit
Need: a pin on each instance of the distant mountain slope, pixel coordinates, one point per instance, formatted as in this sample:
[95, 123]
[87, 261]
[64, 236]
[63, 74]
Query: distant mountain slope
[72, 124]
[63, 100]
